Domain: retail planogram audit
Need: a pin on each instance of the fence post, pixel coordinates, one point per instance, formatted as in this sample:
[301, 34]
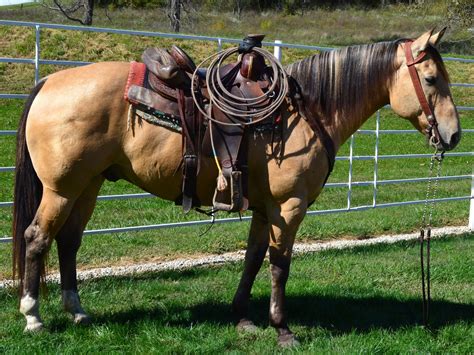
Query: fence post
[37, 53]
[376, 157]
[219, 44]
[349, 179]
[277, 50]
[471, 211]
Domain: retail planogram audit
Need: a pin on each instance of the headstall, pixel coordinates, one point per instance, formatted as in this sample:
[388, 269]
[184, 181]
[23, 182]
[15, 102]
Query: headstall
[432, 131]
[435, 139]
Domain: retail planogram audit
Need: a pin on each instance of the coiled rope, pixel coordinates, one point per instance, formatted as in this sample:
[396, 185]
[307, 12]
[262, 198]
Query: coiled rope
[242, 111]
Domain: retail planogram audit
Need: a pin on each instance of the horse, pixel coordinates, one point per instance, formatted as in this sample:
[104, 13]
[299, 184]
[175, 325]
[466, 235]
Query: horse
[74, 130]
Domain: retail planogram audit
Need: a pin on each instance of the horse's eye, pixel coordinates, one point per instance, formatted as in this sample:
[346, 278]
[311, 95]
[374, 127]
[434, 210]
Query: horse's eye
[430, 80]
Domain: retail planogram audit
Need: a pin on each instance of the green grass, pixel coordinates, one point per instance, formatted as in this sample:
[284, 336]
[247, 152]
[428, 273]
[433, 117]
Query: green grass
[364, 300]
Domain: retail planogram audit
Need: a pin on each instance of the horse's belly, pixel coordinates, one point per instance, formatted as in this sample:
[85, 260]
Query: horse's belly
[155, 156]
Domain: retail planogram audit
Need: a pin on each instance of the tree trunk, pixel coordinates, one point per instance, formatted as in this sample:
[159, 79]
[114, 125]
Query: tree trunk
[83, 8]
[175, 14]
[238, 8]
[89, 12]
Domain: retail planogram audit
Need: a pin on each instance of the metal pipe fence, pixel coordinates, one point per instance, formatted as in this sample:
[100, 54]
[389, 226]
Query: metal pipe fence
[37, 61]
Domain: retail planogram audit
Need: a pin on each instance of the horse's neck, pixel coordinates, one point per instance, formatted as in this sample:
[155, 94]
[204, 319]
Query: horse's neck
[342, 88]
[343, 125]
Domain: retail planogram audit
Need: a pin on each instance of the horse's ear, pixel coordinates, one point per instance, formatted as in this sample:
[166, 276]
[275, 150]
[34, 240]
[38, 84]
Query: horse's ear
[436, 38]
[421, 43]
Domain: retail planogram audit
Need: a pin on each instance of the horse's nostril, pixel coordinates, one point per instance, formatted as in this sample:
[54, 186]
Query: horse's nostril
[455, 139]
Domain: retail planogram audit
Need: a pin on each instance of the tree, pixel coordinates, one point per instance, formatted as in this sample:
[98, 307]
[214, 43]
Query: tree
[175, 14]
[238, 7]
[460, 13]
[82, 8]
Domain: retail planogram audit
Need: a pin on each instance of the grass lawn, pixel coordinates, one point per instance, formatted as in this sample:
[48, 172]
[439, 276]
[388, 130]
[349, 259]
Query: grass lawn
[364, 300]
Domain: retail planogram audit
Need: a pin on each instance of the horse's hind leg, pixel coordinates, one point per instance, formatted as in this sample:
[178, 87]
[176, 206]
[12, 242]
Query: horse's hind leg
[50, 217]
[256, 249]
[69, 241]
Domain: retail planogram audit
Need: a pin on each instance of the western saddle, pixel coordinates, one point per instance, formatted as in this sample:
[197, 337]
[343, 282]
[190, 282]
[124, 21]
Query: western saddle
[212, 108]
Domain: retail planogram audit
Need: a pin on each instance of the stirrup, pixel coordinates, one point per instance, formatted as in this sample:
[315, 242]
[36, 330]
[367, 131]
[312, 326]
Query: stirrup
[236, 194]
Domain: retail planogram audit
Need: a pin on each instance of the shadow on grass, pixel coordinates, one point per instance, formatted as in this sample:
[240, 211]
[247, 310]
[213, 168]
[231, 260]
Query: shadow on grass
[334, 313]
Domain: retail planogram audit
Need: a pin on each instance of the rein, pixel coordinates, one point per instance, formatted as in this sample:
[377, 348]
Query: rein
[425, 231]
[434, 139]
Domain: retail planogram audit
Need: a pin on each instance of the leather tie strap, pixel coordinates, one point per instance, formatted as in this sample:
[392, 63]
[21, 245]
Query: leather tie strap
[419, 90]
[315, 124]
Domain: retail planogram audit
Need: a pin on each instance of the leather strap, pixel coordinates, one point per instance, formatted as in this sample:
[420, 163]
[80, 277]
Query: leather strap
[190, 141]
[228, 145]
[315, 124]
[415, 79]
[162, 88]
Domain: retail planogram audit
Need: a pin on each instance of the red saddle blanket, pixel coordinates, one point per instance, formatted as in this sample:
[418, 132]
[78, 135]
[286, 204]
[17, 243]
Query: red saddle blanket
[136, 76]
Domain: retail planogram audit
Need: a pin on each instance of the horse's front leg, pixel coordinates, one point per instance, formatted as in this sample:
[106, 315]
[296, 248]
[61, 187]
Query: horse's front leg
[256, 249]
[284, 222]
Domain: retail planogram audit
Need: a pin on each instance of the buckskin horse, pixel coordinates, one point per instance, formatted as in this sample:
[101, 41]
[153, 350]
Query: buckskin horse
[74, 129]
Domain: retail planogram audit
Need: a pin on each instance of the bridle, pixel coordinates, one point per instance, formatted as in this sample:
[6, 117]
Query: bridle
[434, 139]
[432, 130]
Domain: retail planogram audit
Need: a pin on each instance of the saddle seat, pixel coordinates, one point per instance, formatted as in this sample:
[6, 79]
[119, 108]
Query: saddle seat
[166, 89]
[172, 67]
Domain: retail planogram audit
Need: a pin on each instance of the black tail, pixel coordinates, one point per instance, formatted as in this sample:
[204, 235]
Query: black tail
[28, 192]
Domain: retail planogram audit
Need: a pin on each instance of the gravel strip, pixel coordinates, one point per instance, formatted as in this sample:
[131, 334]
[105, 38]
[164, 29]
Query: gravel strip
[299, 248]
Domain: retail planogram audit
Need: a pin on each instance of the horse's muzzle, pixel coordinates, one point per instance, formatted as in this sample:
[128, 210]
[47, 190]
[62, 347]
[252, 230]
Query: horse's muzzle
[455, 138]
[444, 142]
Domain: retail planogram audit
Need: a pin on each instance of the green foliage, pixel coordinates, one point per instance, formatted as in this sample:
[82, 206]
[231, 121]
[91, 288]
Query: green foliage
[266, 24]
[113, 4]
[292, 7]
[461, 13]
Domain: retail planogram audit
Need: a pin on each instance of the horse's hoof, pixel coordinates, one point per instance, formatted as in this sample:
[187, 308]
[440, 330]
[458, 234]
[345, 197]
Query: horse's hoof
[288, 341]
[82, 319]
[34, 327]
[246, 326]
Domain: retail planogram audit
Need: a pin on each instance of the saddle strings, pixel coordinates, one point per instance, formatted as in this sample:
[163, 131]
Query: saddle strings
[245, 111]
